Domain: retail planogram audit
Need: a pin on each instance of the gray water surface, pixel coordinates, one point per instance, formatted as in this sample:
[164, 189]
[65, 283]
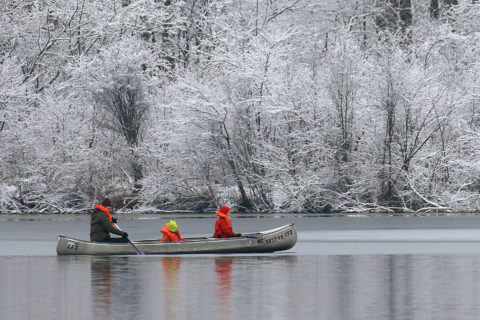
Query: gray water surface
[341, 268]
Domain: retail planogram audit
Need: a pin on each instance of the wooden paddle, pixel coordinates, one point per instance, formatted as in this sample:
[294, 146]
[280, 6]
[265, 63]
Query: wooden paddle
[138, 251]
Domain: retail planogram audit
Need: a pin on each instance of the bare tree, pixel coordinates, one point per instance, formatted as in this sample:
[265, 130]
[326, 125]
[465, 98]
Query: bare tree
[123, 99]
[394, 15]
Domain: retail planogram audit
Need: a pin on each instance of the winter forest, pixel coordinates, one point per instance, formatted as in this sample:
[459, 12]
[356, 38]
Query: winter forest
[263, 105]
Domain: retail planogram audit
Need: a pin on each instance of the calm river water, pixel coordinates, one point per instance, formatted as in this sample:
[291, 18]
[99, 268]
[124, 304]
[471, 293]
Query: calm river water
[341, 268]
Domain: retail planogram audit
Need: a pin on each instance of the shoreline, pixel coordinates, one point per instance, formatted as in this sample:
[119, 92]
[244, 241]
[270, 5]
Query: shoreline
[182, 214]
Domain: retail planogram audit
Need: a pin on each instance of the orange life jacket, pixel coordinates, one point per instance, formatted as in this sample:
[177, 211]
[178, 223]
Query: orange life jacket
[226, 217]
[223, 226]
[102, 208]
[169, 235]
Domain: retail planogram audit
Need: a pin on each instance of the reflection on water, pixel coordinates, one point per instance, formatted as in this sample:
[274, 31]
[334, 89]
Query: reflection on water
[223, 272]
[114, 281]
[171, 269]
[398, 287]
[176, 287]
[101, 274]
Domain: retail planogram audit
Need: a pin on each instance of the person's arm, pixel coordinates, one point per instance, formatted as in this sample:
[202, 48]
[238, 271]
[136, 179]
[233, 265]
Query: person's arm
[180, 236]
[107, 225]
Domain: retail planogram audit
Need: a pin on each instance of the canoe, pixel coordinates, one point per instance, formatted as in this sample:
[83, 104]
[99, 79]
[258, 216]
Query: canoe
[278, 239]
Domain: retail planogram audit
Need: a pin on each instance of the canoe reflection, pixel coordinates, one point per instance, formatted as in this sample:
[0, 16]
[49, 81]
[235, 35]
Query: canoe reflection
[113, 283]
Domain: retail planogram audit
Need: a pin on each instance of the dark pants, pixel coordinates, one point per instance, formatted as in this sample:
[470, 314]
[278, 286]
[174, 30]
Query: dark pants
[115, 240]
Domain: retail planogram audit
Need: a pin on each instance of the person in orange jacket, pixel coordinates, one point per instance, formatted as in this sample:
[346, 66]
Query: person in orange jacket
[223, 226]
[171, 232]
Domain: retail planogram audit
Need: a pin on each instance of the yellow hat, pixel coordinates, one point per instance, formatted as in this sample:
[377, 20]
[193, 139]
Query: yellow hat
[172, 226]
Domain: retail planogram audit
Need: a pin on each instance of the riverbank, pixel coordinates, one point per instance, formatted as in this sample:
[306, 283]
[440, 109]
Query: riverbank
[130, 215]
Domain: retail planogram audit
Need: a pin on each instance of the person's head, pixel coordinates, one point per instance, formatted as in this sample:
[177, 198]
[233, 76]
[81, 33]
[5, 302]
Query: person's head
[107, 203]
[225, 210]
[172, 226]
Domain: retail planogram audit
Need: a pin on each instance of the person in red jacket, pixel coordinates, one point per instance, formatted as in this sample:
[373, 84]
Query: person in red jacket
[171, 232]
[223, 226]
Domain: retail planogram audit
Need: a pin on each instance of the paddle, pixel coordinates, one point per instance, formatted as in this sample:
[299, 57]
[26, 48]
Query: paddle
[138, 251]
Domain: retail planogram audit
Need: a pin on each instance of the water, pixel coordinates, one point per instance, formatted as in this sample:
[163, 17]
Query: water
[341, 268]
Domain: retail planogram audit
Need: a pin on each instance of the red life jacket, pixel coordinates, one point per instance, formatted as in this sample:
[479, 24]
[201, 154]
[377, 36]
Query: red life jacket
[169, 235]
[102, 208]
[223, 226]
